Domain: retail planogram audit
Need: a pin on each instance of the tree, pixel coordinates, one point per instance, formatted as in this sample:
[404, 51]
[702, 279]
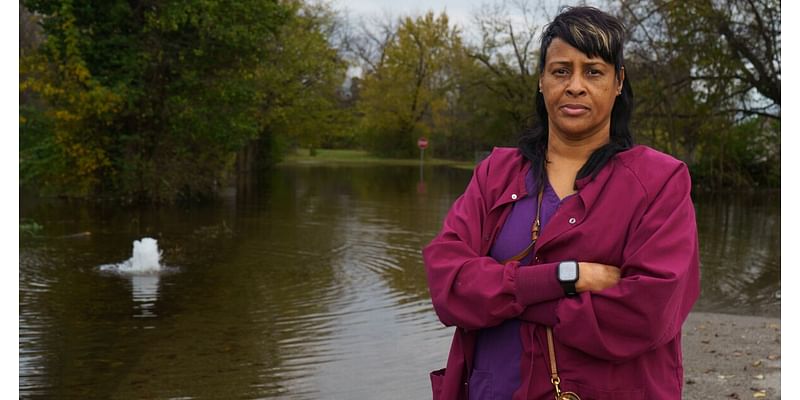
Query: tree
[152, 101]
[299, 83]
[62, 147]
[367, 48]
[407, 94]
[506, 54]
[702, 71]
[499, 84]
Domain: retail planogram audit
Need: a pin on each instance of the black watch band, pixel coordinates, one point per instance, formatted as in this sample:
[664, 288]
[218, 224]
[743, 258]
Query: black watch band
[567, 274]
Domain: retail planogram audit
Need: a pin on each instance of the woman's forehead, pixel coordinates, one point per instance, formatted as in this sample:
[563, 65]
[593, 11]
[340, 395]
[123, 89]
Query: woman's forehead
[560, 51]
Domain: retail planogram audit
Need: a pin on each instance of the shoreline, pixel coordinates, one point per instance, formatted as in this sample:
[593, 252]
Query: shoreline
[729, 356]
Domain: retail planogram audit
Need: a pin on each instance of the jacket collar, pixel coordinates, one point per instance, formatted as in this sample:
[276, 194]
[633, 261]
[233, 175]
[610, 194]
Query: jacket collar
[589, 189]
[515, 189]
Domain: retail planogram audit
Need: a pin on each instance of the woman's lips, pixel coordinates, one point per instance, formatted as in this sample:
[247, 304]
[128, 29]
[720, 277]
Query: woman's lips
[574, 109]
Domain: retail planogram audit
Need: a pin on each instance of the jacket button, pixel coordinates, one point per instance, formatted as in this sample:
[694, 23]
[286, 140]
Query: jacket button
[572, 221]
[486, 238]
[514, 196]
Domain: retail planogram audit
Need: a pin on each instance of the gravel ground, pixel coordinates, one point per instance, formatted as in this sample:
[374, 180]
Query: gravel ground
[731, 357]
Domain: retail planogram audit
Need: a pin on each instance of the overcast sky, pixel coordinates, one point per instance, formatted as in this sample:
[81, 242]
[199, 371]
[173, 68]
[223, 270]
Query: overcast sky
[459, 11]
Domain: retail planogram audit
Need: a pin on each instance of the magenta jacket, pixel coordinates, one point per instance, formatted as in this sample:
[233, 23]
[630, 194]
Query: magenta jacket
[621, 343]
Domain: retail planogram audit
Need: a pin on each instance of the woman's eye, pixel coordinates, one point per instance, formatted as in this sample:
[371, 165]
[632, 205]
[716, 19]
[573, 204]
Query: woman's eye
[561, 71]
[595, 72]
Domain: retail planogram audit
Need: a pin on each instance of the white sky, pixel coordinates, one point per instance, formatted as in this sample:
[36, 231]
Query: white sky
[458, 10]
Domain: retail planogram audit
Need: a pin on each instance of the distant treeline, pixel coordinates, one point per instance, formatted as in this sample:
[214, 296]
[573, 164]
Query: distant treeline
[171, 100]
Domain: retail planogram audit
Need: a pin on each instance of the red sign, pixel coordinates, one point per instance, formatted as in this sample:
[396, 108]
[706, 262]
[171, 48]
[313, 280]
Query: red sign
[422, 143]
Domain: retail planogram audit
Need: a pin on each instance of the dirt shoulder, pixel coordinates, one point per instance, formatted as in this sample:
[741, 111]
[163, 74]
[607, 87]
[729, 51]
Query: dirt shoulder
[731, 357]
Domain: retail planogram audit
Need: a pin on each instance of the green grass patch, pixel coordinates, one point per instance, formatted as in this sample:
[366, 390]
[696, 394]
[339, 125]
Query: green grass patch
[29, 228]
[326, 156]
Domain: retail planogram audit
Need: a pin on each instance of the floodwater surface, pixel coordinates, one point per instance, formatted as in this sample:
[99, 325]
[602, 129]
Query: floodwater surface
[309, 287]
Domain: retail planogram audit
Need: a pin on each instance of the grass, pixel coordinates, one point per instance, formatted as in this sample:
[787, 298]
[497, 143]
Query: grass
[327, 156]
[29, 227]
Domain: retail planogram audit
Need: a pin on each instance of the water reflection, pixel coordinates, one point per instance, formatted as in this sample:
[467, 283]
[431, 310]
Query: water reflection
[739, 252]
[145, 294]
[309, 286]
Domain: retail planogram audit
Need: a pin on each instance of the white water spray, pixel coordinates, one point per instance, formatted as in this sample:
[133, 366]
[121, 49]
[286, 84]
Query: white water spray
[146, 259]
[146, 256]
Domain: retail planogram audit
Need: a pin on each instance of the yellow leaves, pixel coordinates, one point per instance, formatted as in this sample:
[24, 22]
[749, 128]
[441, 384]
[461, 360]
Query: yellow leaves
[76, 105]
[86, 159]
[65, 116]
[412, 92]
[80, 72]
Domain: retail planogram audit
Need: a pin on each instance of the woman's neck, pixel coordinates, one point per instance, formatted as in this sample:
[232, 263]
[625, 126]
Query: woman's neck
[569, 152]
[566, 157]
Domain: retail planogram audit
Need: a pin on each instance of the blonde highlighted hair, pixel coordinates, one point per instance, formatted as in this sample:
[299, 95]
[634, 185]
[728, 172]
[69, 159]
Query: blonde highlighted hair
[589, 30]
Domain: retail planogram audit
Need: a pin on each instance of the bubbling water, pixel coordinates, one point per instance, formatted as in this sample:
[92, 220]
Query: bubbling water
[146, 256]
[146, 259]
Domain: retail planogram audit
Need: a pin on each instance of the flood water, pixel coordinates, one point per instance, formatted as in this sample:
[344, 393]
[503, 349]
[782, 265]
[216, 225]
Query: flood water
[310, 287]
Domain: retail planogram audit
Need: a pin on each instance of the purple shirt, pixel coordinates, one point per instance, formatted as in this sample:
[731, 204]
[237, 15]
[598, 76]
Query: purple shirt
[496, 370]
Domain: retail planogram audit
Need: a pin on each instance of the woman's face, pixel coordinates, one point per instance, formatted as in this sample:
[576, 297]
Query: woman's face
[579, 92]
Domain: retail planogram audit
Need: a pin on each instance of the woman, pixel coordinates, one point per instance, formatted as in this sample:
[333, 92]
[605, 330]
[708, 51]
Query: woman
[577, 244]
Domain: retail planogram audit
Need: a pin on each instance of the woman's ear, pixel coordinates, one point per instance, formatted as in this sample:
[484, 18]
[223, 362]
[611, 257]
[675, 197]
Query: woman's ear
[620, 79]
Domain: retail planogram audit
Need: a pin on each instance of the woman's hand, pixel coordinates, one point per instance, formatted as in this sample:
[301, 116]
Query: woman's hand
[595, 277]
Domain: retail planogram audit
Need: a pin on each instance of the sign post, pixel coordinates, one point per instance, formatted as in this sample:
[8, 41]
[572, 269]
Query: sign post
[422, 143]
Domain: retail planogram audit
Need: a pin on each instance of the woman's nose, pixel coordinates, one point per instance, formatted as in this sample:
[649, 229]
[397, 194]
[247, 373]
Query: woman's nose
[576, 86]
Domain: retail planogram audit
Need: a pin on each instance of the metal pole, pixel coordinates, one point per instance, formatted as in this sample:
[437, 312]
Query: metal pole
[421, 162]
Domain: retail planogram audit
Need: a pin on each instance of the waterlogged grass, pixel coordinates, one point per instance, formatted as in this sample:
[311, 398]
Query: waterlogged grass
[325, 156]
[29, 228]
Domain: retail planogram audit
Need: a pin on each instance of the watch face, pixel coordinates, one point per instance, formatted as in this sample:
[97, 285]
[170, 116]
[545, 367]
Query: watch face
[568, 271]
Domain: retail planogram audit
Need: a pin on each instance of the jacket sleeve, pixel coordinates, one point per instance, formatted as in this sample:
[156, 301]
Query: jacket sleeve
[659, 284]
[473, 291]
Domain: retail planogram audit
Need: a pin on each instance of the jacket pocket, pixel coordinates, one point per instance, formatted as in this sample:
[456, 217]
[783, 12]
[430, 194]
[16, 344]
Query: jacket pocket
[437, 381]
[592, 393]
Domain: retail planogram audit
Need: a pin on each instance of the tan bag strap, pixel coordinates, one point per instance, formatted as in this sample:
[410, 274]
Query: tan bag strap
[552, 352]
[554, 378]
[535, 228]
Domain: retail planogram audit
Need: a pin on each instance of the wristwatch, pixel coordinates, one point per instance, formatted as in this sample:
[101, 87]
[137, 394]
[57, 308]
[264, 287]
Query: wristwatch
[568, 273]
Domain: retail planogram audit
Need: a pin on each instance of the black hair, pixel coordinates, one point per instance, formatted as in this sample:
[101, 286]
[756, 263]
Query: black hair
[596, 34]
